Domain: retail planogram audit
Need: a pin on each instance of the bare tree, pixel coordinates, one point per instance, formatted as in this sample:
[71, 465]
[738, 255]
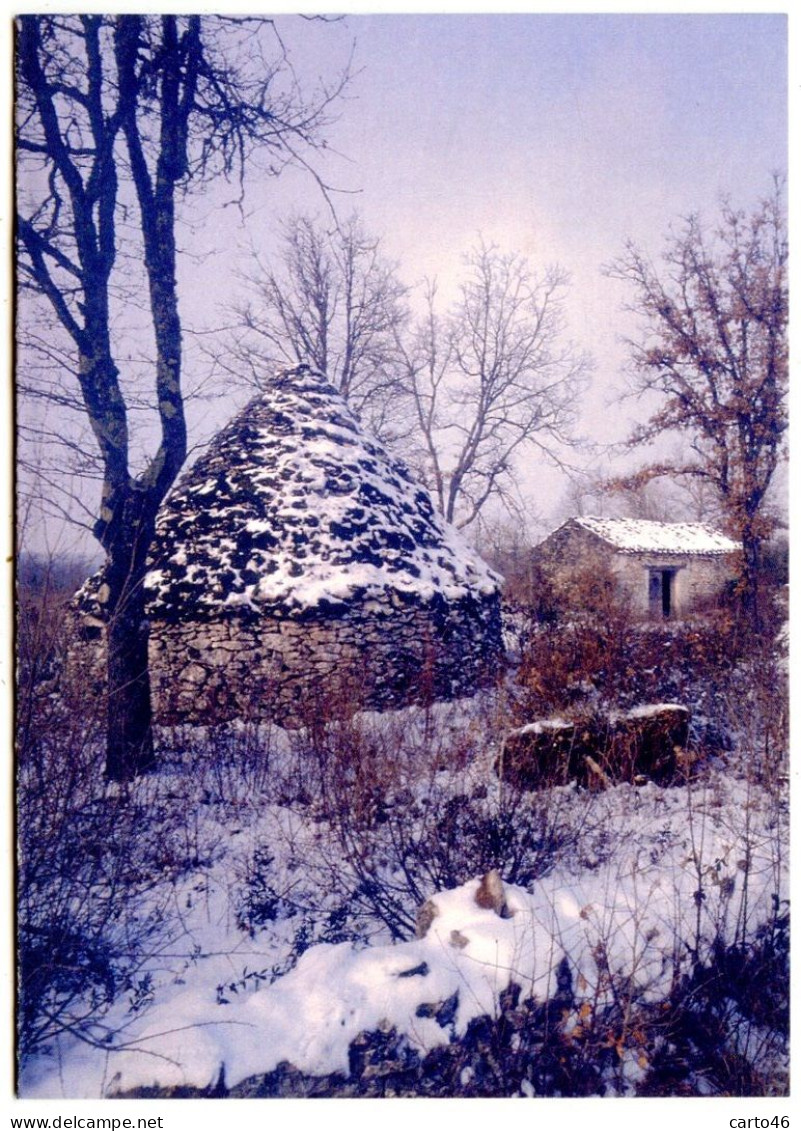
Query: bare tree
[116, 118]
[593, 493]
[492, 379]
[713, 347]
[331, 299]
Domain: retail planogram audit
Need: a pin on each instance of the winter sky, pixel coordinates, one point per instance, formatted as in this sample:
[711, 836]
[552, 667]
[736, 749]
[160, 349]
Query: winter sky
[555, 136]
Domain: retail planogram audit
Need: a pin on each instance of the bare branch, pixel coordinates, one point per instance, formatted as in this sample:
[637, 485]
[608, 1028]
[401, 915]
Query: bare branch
[492, 379]
[713, 347]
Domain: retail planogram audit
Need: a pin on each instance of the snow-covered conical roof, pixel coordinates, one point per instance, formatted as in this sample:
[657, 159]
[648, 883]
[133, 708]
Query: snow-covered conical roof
[293, 507]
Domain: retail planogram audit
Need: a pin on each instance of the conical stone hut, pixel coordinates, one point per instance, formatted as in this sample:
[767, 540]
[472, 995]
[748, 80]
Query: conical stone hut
[297, 562]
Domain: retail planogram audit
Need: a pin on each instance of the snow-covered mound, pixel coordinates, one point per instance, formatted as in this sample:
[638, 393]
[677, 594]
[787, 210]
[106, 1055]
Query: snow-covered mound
[293, 506]
[674, 887]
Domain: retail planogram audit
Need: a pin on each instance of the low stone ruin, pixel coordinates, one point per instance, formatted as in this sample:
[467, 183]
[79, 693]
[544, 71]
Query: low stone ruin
[647, 743]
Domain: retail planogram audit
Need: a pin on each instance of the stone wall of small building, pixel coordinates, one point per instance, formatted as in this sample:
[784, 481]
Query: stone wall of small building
[707, 578]
[374, 653]
[569, 549]
[698, 580]
[568, 553]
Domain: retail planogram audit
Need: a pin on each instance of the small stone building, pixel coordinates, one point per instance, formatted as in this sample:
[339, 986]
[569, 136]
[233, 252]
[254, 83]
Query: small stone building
[297, 562]
[666, 569]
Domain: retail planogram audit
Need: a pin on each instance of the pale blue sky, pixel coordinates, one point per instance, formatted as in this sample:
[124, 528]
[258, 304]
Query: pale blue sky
[557, 136]
[492, 113]
[606, 122]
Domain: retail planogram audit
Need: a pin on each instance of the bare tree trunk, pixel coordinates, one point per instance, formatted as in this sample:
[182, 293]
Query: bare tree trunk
[146, 100]
[129, 738]
[129, 743]
[750, 577]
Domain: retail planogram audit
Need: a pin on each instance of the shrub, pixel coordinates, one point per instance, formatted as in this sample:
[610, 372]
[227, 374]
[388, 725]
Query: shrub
[725, 1028]
[87, 859]
[90, 856]
[594, 663]
[404, 807]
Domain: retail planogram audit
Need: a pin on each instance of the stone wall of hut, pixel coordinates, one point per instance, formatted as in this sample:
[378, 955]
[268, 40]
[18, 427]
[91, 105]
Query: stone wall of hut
[288, 669]
[699, 578]
[698, 581]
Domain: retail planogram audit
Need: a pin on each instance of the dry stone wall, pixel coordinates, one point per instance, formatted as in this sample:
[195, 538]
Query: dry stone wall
[699, 577]
[698, 580]
[374, 654]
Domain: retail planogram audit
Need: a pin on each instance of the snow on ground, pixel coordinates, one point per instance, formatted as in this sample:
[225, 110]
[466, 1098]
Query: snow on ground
[660, 874]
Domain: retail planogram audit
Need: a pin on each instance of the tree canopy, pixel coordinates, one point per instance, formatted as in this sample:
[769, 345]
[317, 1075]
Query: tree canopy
[491, 378]
[331, 299]
[712, 347]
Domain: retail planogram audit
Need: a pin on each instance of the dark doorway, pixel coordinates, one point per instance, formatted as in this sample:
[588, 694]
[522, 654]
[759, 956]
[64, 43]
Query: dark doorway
[667, 592]
[660, 592]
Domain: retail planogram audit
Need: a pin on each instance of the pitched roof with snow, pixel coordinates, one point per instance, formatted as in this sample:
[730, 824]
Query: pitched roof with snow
[637, 535]
[292, 507]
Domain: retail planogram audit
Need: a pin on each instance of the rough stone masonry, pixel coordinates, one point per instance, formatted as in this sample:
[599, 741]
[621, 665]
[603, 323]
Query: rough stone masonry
[297, 563]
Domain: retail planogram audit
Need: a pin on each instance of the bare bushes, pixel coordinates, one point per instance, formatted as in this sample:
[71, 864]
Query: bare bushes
[231, 765]
[436, 840]
[43, 701]
[403, 805]
[724, 1028]
[91, 856]
[85, 930]
[757, 702]
[584, 663]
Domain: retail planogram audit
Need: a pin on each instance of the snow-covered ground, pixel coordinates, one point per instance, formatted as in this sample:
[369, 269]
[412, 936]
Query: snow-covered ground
[652, 878]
